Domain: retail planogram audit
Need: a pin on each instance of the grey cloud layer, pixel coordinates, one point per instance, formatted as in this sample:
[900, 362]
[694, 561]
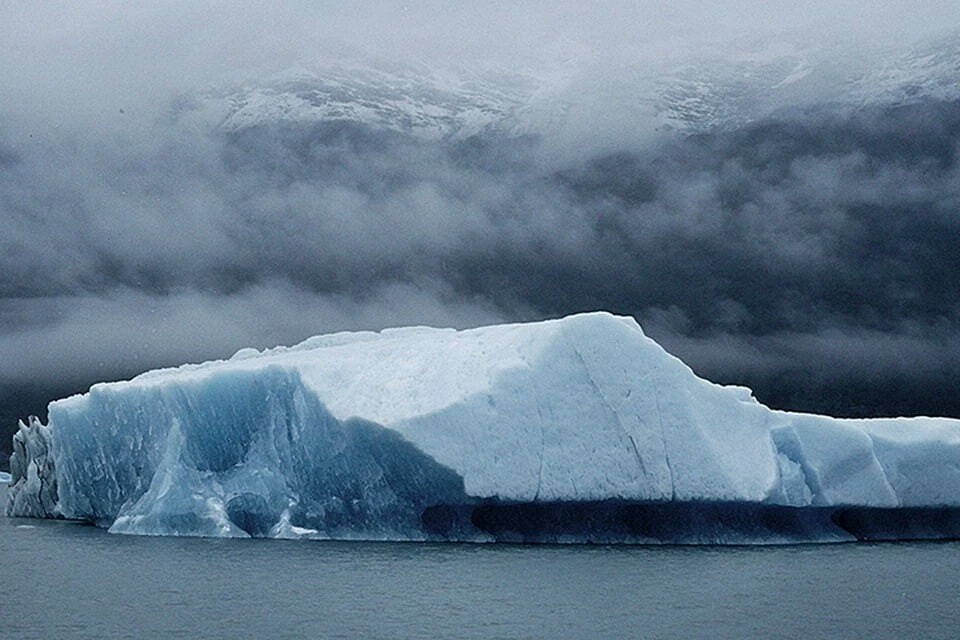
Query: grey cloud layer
[818, 243]
[75, 64]
[813, 256]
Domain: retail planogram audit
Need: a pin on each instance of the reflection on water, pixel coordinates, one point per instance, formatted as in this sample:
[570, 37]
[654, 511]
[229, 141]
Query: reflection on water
[63, 580]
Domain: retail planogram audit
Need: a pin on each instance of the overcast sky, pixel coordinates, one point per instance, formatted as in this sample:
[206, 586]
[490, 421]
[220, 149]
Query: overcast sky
[811, 255]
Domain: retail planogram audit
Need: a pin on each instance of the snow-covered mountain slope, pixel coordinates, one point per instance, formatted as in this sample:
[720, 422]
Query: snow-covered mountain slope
[927, 69]
[409, 100]
[383, 435]
[763, 80]
[692, 91]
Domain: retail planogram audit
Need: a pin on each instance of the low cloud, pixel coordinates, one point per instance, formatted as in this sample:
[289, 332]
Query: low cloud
[803, 252]
[70, 340]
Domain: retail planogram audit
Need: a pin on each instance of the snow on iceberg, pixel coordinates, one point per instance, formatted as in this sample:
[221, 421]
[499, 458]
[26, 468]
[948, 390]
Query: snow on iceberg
[573, 429]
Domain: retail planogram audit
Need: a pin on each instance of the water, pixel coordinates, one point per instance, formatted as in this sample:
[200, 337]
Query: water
[62, 580]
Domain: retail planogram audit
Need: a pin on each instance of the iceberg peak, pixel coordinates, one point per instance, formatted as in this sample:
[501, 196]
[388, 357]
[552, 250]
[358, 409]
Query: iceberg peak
[421, 433]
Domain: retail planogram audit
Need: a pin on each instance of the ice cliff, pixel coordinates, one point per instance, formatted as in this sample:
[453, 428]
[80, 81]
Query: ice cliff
[573, 429]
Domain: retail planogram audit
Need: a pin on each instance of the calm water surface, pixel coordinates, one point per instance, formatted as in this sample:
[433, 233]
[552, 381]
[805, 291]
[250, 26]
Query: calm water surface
[62, 580]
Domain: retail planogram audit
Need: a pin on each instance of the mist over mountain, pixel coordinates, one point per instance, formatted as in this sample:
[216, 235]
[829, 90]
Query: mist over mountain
[776, 199]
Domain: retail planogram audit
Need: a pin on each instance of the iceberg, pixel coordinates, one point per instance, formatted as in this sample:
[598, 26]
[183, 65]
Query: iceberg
[580, 429]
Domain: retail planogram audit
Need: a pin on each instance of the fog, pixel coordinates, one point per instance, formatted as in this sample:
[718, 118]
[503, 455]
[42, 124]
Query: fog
[808, 252]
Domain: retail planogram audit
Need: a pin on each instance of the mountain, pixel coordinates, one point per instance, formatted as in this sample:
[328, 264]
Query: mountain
[410, 100]
[690, 92]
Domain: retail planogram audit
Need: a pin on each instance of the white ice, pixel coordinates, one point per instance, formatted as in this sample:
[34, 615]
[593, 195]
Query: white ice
[354, 434]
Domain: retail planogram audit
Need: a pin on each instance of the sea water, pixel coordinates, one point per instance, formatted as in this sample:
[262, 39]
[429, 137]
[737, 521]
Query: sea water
[65, 580]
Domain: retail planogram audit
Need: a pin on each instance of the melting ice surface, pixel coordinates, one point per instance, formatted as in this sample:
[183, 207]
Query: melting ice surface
[578, 429]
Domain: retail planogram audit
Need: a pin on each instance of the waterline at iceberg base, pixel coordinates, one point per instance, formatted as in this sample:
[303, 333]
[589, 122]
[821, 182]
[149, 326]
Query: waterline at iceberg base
[573, 430]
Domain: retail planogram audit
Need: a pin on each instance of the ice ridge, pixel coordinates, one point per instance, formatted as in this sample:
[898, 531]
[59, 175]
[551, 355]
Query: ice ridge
[566, 430]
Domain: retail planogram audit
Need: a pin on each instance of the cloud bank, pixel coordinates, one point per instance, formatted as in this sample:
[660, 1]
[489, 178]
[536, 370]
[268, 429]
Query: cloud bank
[810, 253]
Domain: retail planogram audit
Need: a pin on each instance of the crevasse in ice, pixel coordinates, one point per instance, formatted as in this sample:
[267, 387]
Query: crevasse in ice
[574, 429]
